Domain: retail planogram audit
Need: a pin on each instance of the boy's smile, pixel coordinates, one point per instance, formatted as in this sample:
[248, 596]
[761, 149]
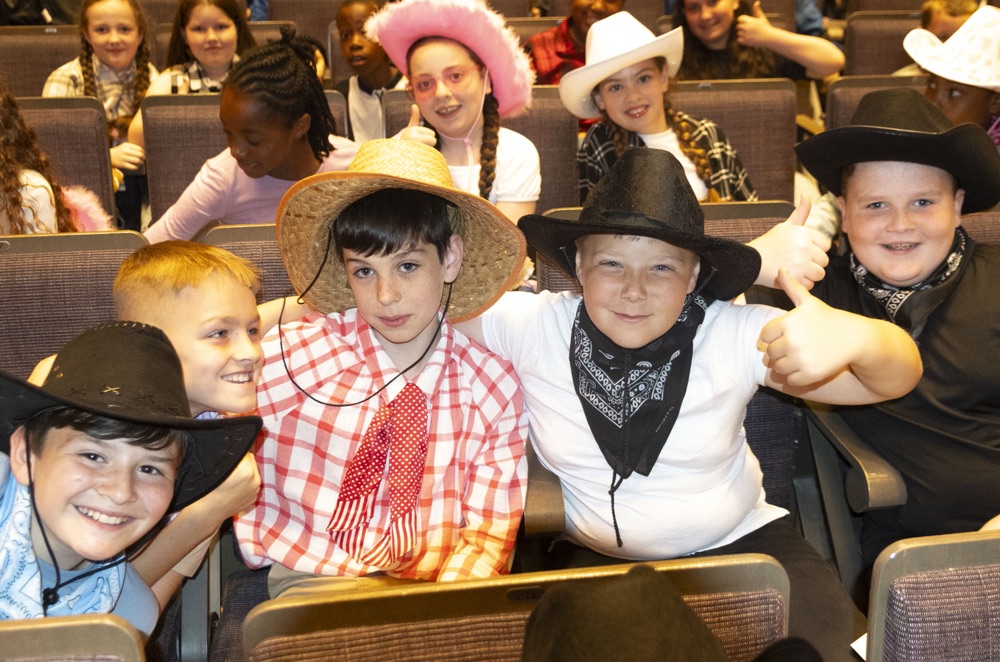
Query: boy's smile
[399, 294]
[634, 287]
[95, 497]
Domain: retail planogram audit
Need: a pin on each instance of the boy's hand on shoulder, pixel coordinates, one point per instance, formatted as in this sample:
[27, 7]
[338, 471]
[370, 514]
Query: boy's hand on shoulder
[415, 131]
[794, 247]
[237, 493]
[810, 343]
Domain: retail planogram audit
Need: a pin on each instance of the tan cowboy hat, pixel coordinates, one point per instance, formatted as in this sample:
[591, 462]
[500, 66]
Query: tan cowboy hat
[494, 249]
[614, 43]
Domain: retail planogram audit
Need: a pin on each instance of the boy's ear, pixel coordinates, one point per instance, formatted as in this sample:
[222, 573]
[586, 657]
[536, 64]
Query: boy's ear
[694, 274]
[842, 207]
[19, 456]
[995, 103]
[453, 258]
[959, 201]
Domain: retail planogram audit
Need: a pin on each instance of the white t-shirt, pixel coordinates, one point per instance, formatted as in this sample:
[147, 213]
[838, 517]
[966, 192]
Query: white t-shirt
[517, 177]
[667, 141]
[704, 490]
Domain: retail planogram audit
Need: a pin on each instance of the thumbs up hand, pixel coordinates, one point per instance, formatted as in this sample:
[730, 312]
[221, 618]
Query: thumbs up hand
[791, 245]
[753, 30]
[415, 131]
[810, 343]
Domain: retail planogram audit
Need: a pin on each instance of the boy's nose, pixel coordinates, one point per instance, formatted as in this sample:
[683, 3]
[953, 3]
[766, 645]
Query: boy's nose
[634, 288]
[118, 485]
[388, 292]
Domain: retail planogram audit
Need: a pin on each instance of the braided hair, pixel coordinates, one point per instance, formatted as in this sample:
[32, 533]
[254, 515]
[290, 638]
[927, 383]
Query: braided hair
[117, 126]
[19, 151]
[735, 61]
[491, 121]
[282, 76]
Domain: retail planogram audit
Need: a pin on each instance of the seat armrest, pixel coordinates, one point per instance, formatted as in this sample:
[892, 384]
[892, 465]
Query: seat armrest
[871, 482]
[544, 510]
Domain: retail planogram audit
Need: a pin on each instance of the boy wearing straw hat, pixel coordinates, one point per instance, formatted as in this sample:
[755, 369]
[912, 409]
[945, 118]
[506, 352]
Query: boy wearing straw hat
[393, 446]
[637, 391]
[91, 462]
[904, 176]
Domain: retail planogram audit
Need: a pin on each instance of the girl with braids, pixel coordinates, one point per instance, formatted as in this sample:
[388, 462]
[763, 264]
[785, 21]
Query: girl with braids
[466, 71]
[207, 38]
[114, 67]
[625, 83]
[733, 39]
[279, 129]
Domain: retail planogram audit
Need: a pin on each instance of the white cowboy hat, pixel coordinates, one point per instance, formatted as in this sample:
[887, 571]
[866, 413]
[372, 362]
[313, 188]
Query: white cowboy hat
[614, 43]
[971, 56]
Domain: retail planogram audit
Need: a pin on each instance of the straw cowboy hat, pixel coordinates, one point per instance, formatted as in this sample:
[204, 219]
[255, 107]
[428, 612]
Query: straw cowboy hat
[614, 43]
[398, 25]
[901, 125]
[646, 193]
[129, 371]
[971, 56]
[494, 249]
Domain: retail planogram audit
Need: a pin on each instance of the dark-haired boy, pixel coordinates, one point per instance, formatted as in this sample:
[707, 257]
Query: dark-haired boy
[393, 446]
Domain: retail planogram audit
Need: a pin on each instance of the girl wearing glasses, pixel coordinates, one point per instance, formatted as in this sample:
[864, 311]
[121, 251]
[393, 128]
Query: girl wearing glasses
[466, 72]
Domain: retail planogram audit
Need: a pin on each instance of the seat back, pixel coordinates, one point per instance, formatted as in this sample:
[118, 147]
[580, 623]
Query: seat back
[312, 17]
[73, 134]
[81, 638]
[526, 26]
[873, 41]
[182, 132]
[936, 598]
[29, 53]
[843, 95]
[262, 31]
[513, 8]
[983, 226]
[742, 599]
[758, 118]
[55, 286]
[258, 244]
[159, 11]
[882, 5]
[547, 124]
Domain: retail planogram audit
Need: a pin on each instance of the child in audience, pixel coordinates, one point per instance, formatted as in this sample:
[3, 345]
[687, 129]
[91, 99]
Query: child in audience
[636, 392]
[91, 462]
[279, 129]
[203, 299]
[624, 82]
[114, 67]
[904, 176]
[31, 199]
[466, 72]
[733, 39]
[207, 38]
[378, 251]
[964, 83]
[373, 72]
[943, 17]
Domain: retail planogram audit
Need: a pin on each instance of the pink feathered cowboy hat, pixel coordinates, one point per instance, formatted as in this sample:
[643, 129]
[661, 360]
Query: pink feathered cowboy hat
[469, 22]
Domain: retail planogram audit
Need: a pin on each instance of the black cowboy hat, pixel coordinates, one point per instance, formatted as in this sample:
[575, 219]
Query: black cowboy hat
[646, 193]
[130, 372]
[901, 125]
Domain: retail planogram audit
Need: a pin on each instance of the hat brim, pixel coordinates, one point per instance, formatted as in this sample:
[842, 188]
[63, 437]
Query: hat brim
[216, 446]
[397, 26]
[494, 250]
[736, 265]
[965, 151]
[576, 86]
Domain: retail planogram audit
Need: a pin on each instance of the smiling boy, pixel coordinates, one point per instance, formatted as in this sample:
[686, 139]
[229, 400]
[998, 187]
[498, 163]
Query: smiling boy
[91, 461]
[904, 176]
[636, 392]
[394, 445]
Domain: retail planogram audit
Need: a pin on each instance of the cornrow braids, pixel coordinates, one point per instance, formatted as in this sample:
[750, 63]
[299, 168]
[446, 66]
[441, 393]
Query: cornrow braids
[683, 128]
[282, 75]
[488, 150]
[19, 151]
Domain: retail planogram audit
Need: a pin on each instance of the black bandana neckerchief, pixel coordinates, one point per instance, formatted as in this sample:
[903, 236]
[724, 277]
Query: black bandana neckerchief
[910, 307]
[631, 397]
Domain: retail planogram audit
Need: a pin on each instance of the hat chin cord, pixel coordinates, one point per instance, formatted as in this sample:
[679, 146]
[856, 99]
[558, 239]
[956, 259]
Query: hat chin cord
[301, 300]
[467, 140]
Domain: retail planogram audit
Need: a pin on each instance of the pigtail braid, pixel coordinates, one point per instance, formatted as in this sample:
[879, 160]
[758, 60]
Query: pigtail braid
[488, 150]
[683, 128]
[87, 68]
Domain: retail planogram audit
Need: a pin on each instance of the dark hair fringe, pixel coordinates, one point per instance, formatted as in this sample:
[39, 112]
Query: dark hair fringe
[392, 219]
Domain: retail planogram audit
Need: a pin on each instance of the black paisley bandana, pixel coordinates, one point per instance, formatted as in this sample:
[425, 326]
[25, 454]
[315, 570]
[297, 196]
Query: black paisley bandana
[909, 307]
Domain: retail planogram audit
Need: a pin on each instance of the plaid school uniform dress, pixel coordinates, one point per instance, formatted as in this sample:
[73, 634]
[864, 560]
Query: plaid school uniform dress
[472, 491]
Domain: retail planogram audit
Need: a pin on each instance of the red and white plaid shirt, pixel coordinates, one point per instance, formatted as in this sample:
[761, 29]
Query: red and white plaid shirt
[472, 495]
